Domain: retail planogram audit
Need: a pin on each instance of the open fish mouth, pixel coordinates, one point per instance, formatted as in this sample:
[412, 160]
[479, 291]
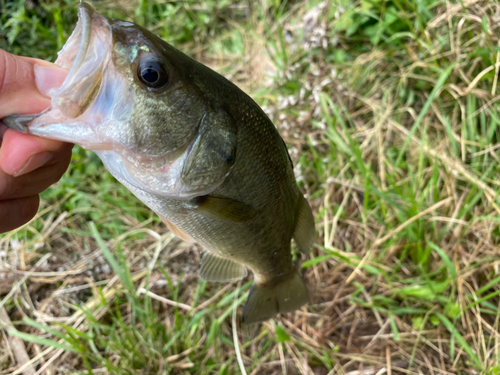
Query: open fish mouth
[86, 55]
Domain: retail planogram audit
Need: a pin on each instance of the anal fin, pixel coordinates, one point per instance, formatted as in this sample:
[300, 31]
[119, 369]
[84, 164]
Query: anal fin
[304, 234]
[217, 268]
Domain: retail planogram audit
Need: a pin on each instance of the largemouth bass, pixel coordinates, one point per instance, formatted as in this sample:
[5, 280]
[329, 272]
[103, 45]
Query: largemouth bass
[189, 144]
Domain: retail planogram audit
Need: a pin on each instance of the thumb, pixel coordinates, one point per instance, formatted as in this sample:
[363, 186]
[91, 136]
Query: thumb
[24, 83]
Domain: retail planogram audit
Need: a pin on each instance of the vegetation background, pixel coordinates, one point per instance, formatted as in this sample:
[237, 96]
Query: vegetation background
[390, 112]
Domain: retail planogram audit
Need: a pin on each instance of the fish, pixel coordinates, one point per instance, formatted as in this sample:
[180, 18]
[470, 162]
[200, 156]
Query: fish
[192, 147]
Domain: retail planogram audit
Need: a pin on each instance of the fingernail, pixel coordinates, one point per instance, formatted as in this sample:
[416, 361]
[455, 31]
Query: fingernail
[36, 161]
[49, 77]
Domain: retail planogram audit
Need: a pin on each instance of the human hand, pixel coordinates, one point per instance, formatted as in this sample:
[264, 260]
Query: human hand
[28, 164]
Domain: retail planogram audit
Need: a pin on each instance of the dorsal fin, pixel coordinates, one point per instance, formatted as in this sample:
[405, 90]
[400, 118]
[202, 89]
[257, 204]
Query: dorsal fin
[304, 234]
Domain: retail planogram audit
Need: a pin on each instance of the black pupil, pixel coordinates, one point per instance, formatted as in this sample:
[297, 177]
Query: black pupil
[150, 74]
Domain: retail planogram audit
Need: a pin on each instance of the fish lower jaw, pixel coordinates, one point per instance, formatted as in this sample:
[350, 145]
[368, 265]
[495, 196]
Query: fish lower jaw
[85, 54]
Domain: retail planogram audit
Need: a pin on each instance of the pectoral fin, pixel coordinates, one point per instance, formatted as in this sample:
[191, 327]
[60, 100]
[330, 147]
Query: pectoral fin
[217, 268]
[304, 234]
[212, 154]
[222, 208]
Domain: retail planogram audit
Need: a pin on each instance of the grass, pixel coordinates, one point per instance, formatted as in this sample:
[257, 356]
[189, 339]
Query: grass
[389, 110]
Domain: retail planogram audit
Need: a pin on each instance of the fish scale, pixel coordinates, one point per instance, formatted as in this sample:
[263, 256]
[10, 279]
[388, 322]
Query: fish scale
[192, 146]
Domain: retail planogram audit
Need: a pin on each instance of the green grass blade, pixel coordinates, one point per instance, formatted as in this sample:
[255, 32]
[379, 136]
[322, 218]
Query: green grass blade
[439, 83]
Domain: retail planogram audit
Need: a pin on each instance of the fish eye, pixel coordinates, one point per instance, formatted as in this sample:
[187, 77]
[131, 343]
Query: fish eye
[152, 73]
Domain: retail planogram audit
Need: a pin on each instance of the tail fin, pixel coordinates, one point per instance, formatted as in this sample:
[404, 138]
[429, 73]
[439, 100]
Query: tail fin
[267, 300]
